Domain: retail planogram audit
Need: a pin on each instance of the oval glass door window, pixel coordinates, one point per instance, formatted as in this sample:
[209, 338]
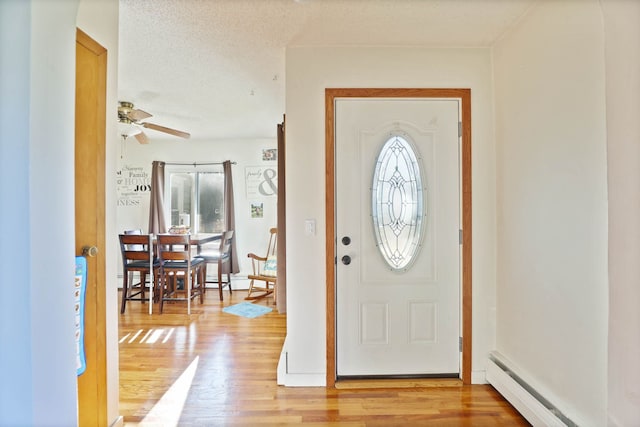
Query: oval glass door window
[397, 203]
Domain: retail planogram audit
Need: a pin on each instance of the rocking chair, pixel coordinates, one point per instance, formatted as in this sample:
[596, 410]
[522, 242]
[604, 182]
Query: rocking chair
[264, 270]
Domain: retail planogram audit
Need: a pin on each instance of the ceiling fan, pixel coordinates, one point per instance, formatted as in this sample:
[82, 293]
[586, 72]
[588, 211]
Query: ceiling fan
[129, 115]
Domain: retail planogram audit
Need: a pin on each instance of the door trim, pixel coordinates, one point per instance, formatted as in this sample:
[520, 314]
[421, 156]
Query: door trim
[464, 95]
[90, 130]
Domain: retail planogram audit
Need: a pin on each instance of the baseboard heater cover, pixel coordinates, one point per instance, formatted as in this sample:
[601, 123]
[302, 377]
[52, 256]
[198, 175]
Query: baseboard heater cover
[531, 404]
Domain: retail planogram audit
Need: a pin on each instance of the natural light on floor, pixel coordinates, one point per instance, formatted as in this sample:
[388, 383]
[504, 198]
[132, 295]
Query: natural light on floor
[166, 413]
[152, 336]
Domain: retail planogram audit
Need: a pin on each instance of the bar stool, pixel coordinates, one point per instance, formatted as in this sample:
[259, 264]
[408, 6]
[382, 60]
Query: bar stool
[222, 257]
[176, 264]
[136, 250]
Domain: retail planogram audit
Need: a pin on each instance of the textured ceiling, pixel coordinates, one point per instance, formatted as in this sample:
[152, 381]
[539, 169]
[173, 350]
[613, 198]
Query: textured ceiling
[215, 68]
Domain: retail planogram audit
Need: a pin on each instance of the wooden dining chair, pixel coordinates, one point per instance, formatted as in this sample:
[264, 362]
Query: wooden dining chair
[264, 270]
[221, 256]
[136, 250]
[181, 277]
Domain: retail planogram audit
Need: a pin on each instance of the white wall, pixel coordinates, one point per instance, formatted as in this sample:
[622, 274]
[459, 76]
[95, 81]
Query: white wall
[552, 205]
[252, 234]
[309, 70]
[38, 385]
[38, 110]
[622, 39]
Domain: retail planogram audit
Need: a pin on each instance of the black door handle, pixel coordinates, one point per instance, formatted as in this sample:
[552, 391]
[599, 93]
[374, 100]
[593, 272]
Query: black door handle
[346, 260]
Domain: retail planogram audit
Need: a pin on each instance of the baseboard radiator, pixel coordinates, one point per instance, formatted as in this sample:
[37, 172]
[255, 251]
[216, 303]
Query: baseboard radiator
[531, 404]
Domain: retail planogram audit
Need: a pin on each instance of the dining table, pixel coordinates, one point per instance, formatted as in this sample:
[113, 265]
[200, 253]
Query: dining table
[200, 239]
[196, 239]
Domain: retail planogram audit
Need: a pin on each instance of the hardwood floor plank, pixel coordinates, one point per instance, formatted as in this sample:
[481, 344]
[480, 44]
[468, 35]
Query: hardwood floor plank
[217, 369]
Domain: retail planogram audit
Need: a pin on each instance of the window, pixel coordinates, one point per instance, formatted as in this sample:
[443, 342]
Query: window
[397, 203]
[197, 199]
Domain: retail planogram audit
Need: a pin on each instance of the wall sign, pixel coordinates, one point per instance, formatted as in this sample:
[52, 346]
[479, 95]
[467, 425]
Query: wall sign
[261, 181]
[133, 184]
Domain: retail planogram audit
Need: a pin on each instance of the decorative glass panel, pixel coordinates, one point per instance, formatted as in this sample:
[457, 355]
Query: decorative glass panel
[397, 203]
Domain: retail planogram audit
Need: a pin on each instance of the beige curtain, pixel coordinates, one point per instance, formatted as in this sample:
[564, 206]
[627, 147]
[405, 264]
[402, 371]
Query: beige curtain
[230, 214]
[157, 223]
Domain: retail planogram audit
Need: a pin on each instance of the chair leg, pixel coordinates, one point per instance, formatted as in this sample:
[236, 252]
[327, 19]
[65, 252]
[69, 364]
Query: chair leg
[220, 280]
[250, 288]
[275, 296]
[125, 285]
[202, 278]
[156, 287]
[188, 286]
[162, 289]
[196, 283]
[143, 285]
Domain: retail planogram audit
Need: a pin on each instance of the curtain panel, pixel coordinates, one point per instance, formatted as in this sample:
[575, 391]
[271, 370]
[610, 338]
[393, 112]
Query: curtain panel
[157, 223]
[230, 214]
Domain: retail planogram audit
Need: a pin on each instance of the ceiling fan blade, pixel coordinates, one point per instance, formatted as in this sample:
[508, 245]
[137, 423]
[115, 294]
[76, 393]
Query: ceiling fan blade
[166, 130]
[142, 138]
[136, 115]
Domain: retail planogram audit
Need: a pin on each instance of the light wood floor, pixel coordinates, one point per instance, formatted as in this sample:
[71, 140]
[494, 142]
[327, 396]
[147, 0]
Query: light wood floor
[218, 369]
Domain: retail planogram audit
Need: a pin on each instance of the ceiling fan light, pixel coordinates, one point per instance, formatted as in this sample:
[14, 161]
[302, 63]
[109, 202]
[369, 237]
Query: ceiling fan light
[128, 129]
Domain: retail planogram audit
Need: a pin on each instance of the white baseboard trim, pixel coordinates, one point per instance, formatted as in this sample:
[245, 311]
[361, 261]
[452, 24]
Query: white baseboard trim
[303, 380]
[282, 368]
[240, 283]
[535, 408]
[289, 379]
[237, 283]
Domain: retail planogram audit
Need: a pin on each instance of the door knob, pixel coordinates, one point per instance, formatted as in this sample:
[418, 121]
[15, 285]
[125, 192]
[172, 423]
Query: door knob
[346, 260]
[89, 251]
[346, 240]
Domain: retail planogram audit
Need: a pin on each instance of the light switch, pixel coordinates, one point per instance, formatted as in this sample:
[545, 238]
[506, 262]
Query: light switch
[310, 227]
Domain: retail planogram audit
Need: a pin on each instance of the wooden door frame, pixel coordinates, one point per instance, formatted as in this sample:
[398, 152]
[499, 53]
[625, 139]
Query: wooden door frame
[331, 94]
[281, 247]
[92, 384]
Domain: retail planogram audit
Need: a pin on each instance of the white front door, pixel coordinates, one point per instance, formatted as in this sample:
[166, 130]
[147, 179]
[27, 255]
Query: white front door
[402, 316]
